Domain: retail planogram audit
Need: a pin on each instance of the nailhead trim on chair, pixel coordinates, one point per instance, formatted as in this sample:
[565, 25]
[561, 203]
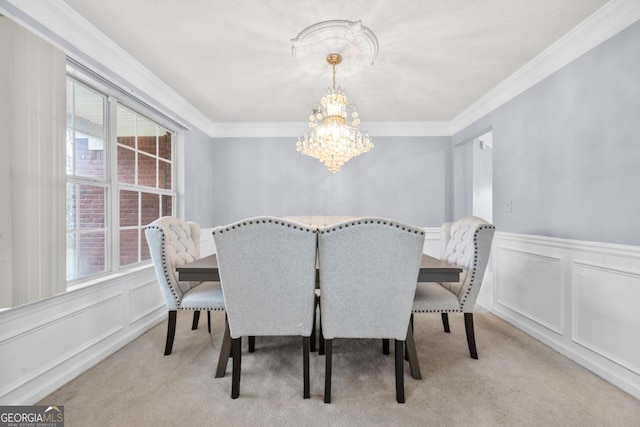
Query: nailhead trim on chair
[166, 275]
[164, 265]
[385, 222]
[475, 264]
[317, 229]
[264, 221]
[473, 275]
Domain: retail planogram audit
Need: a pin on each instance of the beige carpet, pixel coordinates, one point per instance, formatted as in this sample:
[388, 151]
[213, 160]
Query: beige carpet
[516, 382]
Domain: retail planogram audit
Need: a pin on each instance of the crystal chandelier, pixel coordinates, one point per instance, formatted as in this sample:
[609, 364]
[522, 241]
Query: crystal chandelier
[333, 137]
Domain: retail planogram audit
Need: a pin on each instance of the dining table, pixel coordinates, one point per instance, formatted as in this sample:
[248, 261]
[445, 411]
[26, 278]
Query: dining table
[431, 270]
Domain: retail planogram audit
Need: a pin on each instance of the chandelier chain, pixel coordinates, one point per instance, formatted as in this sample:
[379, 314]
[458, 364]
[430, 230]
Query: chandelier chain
[334, 76]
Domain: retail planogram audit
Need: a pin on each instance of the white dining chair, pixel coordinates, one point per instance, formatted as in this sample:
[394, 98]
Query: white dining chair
[267, 269]
[467, 244]
[172, 243]
[368, 273]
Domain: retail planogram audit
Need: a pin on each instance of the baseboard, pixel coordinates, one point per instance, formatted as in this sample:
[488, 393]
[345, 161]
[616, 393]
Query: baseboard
[589, 362]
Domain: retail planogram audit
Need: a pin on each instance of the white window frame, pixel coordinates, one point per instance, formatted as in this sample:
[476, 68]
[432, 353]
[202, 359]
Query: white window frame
[115, 96]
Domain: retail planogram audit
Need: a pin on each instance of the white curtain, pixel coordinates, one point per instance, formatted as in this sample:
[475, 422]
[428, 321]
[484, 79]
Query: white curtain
[33, 110]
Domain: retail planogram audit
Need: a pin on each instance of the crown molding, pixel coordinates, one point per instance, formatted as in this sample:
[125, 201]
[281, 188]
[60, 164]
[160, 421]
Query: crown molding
[258, 129]
[609, 20]
[408, 128]
[296, 129]
[59, 24]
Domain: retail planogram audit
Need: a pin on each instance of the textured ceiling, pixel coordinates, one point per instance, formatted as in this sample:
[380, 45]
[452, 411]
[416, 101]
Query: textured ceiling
[232, 59]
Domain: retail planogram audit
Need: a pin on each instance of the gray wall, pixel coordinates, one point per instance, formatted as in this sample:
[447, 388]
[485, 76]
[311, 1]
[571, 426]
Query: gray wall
[567, 151]
[198, 175]
[401, 178]
[566, 154]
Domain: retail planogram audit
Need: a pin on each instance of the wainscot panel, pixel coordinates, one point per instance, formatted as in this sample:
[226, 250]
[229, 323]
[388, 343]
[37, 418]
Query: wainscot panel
[144, 300]
[578, 297]
[48, 343]
[432, 242]
[607, 313]
[207, 245]
[531, 286]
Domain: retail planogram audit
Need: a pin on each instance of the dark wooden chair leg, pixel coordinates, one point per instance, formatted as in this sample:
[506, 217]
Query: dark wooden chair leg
[236, 344]
[385, 346]
[209, 320]
[171, 332]
[305, 367]
[399, 371]
[252, 344]
[321, 339]
[313, 338]
[196, 320]
[406, 348]
[225, 349]
[445, 322]
[327, 372]
[410, 349]
[471, 338]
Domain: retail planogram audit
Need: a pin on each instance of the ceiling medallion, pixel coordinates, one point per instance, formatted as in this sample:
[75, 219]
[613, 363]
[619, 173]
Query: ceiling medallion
[356, 43]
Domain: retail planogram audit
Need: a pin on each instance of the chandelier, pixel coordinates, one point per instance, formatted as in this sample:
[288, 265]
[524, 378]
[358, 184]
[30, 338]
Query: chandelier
[333, 136]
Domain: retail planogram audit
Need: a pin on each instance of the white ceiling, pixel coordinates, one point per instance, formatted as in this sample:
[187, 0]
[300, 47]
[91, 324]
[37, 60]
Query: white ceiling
[232, 60]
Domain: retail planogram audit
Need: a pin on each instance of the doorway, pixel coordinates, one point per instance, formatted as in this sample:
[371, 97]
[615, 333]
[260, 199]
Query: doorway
[473, 177]
[473, 192]
[483, 177]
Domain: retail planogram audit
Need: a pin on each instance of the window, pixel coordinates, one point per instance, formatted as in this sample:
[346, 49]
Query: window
[119, 179]
[144, 181]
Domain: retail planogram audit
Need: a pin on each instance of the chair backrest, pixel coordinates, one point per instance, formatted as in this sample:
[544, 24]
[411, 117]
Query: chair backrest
[467, 243]
[267, 270]
[172, 243]
[368, 273]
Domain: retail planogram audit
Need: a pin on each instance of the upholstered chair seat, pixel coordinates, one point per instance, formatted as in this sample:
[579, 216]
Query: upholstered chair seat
[431, 296]
[172, 243]
[207, 294]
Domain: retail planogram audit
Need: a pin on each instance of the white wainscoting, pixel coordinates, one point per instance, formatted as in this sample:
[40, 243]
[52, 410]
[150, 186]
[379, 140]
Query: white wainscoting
[45, 344]
[580, 298]
[207, 245]
[431, 241]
